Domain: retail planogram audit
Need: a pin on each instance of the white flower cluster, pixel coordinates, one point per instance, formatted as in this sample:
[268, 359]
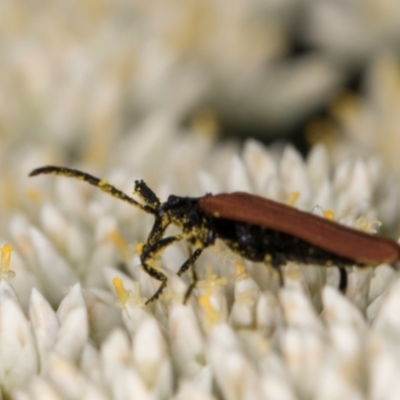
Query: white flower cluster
[83, 67]
[239, 336]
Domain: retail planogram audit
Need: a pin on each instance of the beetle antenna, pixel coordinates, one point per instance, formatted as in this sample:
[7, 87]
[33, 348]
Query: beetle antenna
[92, 180]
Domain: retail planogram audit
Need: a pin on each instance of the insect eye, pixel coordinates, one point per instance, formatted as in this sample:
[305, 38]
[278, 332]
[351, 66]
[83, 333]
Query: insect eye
[173, 200]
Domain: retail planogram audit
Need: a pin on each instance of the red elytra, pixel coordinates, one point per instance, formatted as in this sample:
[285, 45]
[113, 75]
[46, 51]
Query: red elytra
[328, 235]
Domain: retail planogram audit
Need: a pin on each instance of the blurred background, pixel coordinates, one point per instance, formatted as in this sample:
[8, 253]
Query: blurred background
[78, 77]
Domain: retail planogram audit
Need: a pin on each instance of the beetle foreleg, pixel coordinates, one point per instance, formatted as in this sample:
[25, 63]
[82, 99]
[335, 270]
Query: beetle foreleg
[150, 252]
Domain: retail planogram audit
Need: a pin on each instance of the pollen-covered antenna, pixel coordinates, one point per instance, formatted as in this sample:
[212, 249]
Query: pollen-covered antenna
[92, 180]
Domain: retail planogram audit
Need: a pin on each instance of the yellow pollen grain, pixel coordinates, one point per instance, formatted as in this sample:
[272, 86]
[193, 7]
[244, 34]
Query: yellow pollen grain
[211, 282]
[5, 271]
[211, 314]
[119, 241]
[292, 198]
[103, 182]
[32, 194]
[329, 214]
[139, 248]
[239, 269]
[122, 294]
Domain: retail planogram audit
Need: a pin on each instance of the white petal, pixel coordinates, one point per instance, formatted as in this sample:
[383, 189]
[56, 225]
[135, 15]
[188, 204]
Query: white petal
[294, 176]
[274, 388]
[74, 329]
[246, 293]
[66, 377]
[189, 391]
[298, 310]
[383, 367]
[332, 384]
[18, 357]
[237, 178]
[45, 325]
[357, 291]
[115, 355]
[303, 351]
[318, 166]
[129, 386]
[41, 389]
[338, 310]
[260, 164]
[187, 343]
[381, 278]
[387, 320]
[236, 377]
[149, 352]
[324, 196]
[104, 255]
[103, 317]
[55, 271]
[268, 313]
[207, 183]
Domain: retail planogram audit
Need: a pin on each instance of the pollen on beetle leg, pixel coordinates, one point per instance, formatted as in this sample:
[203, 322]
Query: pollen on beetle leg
[103, 183]
[5, 272]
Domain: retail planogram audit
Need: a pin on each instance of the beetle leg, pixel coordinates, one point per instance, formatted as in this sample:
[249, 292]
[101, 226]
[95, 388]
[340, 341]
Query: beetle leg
[185, 266]
[342, 279]
[276, 262]
[280, 275]
[157, 232]
[150, 253]
[190, 261]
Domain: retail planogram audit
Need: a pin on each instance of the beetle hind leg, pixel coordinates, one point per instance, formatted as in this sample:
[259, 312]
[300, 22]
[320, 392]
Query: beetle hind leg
[185, 266]
[160, 277]
[275, 263]
[342, 279]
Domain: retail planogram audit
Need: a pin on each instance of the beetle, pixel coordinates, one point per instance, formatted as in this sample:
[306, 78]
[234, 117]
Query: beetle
[254, 227]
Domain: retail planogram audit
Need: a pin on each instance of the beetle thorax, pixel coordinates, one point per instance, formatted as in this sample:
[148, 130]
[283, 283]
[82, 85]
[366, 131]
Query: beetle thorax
[185, 214]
